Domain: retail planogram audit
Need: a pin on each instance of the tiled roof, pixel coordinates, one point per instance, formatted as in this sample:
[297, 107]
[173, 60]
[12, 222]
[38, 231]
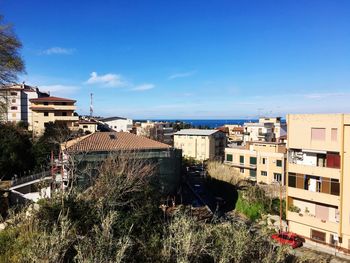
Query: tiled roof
[52, 99]
[196, 132]
[112, 141]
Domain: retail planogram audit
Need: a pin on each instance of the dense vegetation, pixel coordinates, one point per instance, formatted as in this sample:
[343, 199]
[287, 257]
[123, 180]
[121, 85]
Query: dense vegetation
[118, 220]
[20, 154]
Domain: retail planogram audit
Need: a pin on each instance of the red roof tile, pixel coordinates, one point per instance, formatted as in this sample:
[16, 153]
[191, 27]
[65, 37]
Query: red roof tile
[112, 141]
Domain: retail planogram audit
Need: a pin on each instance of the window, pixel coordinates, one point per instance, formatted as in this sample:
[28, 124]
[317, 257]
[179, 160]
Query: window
[333, 160]
[241, 170]
[241, 159]
[321, 160]
[334, 134]
[13, 100]
[292, 180]
[46, 113]
[263, 160]
[13, 93]
[263, 173]
[335, 189]
[318, 134]
[85, 126]
[252, 160]
[279, 163]
[64, 113]
[14, 108]
[252, 173]
[277, 177]
[229, 157]
[318, 235]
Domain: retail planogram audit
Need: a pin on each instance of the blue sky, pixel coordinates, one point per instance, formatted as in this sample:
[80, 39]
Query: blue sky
[188, 59]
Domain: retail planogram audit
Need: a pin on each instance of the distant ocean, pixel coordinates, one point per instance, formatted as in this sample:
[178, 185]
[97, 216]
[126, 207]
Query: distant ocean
[211, 123]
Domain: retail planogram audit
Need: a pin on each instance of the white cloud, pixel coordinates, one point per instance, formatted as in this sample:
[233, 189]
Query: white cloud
[58, 89]
[182, 74]
[58, 51]
[108, 80]
[144, 87]
[324, 95]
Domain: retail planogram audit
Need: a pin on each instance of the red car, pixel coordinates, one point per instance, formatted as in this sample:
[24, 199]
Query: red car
[287, 238]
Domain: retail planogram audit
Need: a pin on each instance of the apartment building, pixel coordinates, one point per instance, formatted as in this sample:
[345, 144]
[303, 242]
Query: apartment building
[235, 132]
[15, 102]
[318, 196]
[87, 126]
[118, 124]
[52, 109]
[268, 129]
[201, 144]
[159, 131]
[263, 162]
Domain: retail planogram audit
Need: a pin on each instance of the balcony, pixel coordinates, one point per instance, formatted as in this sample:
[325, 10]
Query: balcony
[333, 173]
[241, 165]
[53, 107]
[312, 221]
[66, 118]
[313, 196]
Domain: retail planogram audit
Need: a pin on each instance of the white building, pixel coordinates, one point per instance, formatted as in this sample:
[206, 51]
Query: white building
[16, 101]
[118, 124]
[266, 130]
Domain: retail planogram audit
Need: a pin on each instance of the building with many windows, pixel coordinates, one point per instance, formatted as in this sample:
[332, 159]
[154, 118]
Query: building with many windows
[52, 109]
[15, 103]
[268, 129]
[201, 144]
[318, 200]
[263, 162]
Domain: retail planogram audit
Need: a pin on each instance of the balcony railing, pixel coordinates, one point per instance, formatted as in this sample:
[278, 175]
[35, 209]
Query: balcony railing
[312, 221]
[241, 165]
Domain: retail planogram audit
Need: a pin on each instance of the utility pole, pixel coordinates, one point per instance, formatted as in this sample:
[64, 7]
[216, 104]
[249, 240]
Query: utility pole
[281, 207]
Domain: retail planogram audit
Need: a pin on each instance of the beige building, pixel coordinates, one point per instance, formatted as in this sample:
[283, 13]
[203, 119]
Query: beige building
[263, 162]
[87, 126]
[52, 109]
[235, 132]
[318, 196]
[159, 131]
[15, 104]
[201, 144]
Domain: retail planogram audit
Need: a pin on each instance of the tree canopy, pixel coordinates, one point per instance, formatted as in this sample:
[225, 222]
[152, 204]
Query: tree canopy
[11, 62]
[15, 151]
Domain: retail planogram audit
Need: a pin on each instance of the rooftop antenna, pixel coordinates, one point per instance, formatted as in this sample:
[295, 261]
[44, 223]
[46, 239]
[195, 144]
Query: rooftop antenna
[91, 107]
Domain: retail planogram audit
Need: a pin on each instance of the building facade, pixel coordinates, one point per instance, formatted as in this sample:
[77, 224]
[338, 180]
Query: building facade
[263, 162]
[91, 150]
[159, 131]
[52, 109]
[266, 130]
[118, 124]
[15, 102]
[201, 145]
[318, 200]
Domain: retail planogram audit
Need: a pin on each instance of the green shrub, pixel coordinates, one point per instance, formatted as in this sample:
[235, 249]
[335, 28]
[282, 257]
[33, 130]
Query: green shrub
[252, 210]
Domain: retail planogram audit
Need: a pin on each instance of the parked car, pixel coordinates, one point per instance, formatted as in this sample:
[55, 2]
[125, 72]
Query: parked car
[288, 238]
